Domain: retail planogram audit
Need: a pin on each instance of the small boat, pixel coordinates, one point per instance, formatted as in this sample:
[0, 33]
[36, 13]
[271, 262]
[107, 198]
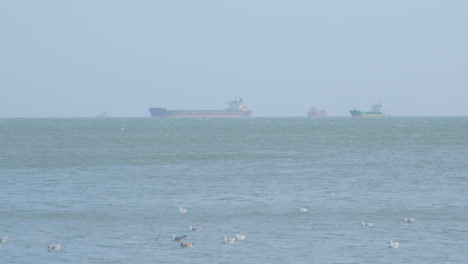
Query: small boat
[102, 115]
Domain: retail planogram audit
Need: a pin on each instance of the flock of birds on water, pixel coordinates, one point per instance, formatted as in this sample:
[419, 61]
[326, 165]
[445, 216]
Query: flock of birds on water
[391, 243]
[3, 239]
[227, 240]
[231, 240]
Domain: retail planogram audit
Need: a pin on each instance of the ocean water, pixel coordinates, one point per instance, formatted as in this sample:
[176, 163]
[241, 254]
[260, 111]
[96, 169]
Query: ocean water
[110, 189]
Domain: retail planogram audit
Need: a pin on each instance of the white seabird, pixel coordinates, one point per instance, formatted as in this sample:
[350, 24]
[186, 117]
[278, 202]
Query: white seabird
[367, 224]
[229, 240]
[3, 239]
[197, 228]
[409, 220]
[303, 209]
[393, 244]
[182, 210]
[178, 238]
[55, 247]
[240, 237]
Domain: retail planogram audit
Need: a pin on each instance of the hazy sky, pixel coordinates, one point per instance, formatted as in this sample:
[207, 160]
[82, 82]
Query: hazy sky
[79, 58]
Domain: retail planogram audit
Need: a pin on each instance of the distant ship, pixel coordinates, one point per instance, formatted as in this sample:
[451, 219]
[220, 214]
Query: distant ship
[102, 115]
[376, 110]
[314, 112]
[236, 108]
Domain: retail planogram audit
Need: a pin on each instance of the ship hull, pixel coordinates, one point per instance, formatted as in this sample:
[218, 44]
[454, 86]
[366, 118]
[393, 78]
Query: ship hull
[317, 115]
[161, 112]
[356, 113]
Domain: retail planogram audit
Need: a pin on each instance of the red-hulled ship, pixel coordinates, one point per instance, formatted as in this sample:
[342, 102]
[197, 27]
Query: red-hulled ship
[314, 112]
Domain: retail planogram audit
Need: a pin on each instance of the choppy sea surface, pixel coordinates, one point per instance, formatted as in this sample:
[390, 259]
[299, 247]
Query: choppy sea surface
[110, 189]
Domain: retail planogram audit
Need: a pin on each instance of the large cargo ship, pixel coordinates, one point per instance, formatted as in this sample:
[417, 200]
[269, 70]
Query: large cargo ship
[314, 112]
[376, 110]
[236, 108]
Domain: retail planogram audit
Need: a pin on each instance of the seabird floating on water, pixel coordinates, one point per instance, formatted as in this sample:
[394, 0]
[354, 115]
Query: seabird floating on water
[55, 247]
[409, 220]
[182, 210]
[229, 240]
[303, 210]
[197, 228]
[367, 224]
[188, 244]
[178, 238]
[393, 244]
[240, 237]
[3, 239]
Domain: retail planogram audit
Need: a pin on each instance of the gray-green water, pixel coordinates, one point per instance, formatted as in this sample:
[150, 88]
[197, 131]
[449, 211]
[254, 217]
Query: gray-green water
[109, 190]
